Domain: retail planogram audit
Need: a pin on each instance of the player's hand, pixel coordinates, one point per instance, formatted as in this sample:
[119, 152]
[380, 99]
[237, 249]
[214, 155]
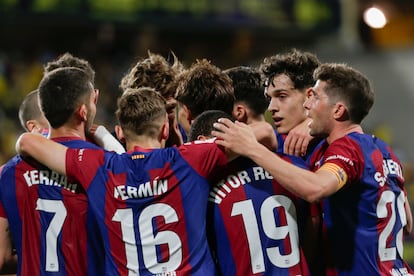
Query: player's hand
[237, 136]
[298, 139]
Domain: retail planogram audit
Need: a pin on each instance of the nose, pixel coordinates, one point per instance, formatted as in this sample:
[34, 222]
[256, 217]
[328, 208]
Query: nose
[272, 107]
[306, 104]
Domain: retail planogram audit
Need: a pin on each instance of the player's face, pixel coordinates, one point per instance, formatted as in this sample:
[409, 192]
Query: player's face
[319, 110]
[286, 103]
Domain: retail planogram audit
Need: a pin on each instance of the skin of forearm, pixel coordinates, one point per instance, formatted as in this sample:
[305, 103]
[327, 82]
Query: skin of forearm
[299, 181]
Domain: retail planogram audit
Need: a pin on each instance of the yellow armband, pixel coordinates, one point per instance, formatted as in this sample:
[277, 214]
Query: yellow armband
[338, 171]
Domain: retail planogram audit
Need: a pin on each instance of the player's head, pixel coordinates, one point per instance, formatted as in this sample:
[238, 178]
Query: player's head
[287, 78]
[248, 90]
[67, 96]
[202, 87]
[142, 112]
[156, 72]
[68, 60]
[202, 125]
[340, 94]
[30, 115]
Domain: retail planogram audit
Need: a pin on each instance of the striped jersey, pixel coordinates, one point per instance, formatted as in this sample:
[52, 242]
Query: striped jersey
[253, 223]
[364, 220]
[49, 218]
[151, 206]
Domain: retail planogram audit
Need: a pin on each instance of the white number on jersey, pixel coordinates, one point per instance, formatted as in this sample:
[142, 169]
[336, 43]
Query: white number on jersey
[58, 209]
[388, 199]
[150, 238]
[271, 230]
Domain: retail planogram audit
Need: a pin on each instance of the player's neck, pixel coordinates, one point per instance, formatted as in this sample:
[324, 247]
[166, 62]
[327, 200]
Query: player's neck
[143, 142]
[343, 129]
[67, 131]
[255, 119]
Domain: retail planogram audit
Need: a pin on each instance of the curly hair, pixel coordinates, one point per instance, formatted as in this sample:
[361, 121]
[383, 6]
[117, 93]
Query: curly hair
[156, 72]
[297, 65]
[204, 87]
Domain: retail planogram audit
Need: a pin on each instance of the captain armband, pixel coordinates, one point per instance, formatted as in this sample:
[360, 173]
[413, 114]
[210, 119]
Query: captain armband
[340, 174]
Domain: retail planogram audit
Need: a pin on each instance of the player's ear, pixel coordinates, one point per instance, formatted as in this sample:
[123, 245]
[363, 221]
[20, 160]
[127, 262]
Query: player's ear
[30, 125]
[239, 113]
[119, 133]
[165, 129]
[341, 112]
[83, 112]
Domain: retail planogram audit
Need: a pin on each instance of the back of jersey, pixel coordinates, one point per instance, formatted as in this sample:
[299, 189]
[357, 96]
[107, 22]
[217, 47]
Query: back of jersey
[48, 218]
[151, 206]
[253, 226]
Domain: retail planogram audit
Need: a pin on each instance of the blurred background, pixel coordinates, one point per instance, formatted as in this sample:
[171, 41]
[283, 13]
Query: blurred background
[375, 37]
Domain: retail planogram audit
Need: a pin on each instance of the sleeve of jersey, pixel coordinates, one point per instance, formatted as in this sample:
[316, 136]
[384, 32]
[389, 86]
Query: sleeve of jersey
[2, 212]
[82, 164]
[204, 156]
[345, 159]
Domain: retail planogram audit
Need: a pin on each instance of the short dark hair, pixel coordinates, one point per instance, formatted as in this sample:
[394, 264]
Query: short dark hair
[140, 111]
[29, 108]
[204, 86]
[61, 92]
[248, 88]
[349, 85]
[297, 65]
[203, 123]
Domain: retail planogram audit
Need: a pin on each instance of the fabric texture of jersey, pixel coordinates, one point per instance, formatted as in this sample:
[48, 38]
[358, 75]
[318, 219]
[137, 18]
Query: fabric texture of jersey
[364, 220]
[151, 206]
[52, 228]
[255, 229]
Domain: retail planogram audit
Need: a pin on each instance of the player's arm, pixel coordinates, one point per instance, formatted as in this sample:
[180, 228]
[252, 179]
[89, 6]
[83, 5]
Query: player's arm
[47, 152]
[8, 260]
[311, 186]
[105, 139]
[265, 134]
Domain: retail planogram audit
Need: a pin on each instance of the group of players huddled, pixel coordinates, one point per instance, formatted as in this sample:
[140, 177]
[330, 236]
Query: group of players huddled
[194, 180]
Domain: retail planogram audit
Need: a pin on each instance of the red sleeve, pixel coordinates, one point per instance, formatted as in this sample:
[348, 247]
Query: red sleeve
[2, 212]
[204, 156]
[347, 154]
[82, 164]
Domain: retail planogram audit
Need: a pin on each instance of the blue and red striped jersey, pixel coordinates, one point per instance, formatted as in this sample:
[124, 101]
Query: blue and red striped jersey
[49, 217]
[364, 220]
[151, 206]
[253, 222]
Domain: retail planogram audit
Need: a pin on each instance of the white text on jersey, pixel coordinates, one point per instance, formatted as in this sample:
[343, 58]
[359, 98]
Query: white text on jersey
[50, 178]
[155, 187]
[234, 181]
[389, 167]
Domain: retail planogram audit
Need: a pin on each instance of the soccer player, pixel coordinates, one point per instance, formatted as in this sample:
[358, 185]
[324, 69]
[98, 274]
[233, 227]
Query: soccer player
[203, 86]
[288, 77]
[253, 219]
[48, 214]
[150, 202]
[30, 116]
[32, 120]
[156, 72]
[356, 175]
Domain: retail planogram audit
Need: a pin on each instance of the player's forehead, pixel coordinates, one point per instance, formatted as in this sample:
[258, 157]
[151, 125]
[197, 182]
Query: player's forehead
[280, 83]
